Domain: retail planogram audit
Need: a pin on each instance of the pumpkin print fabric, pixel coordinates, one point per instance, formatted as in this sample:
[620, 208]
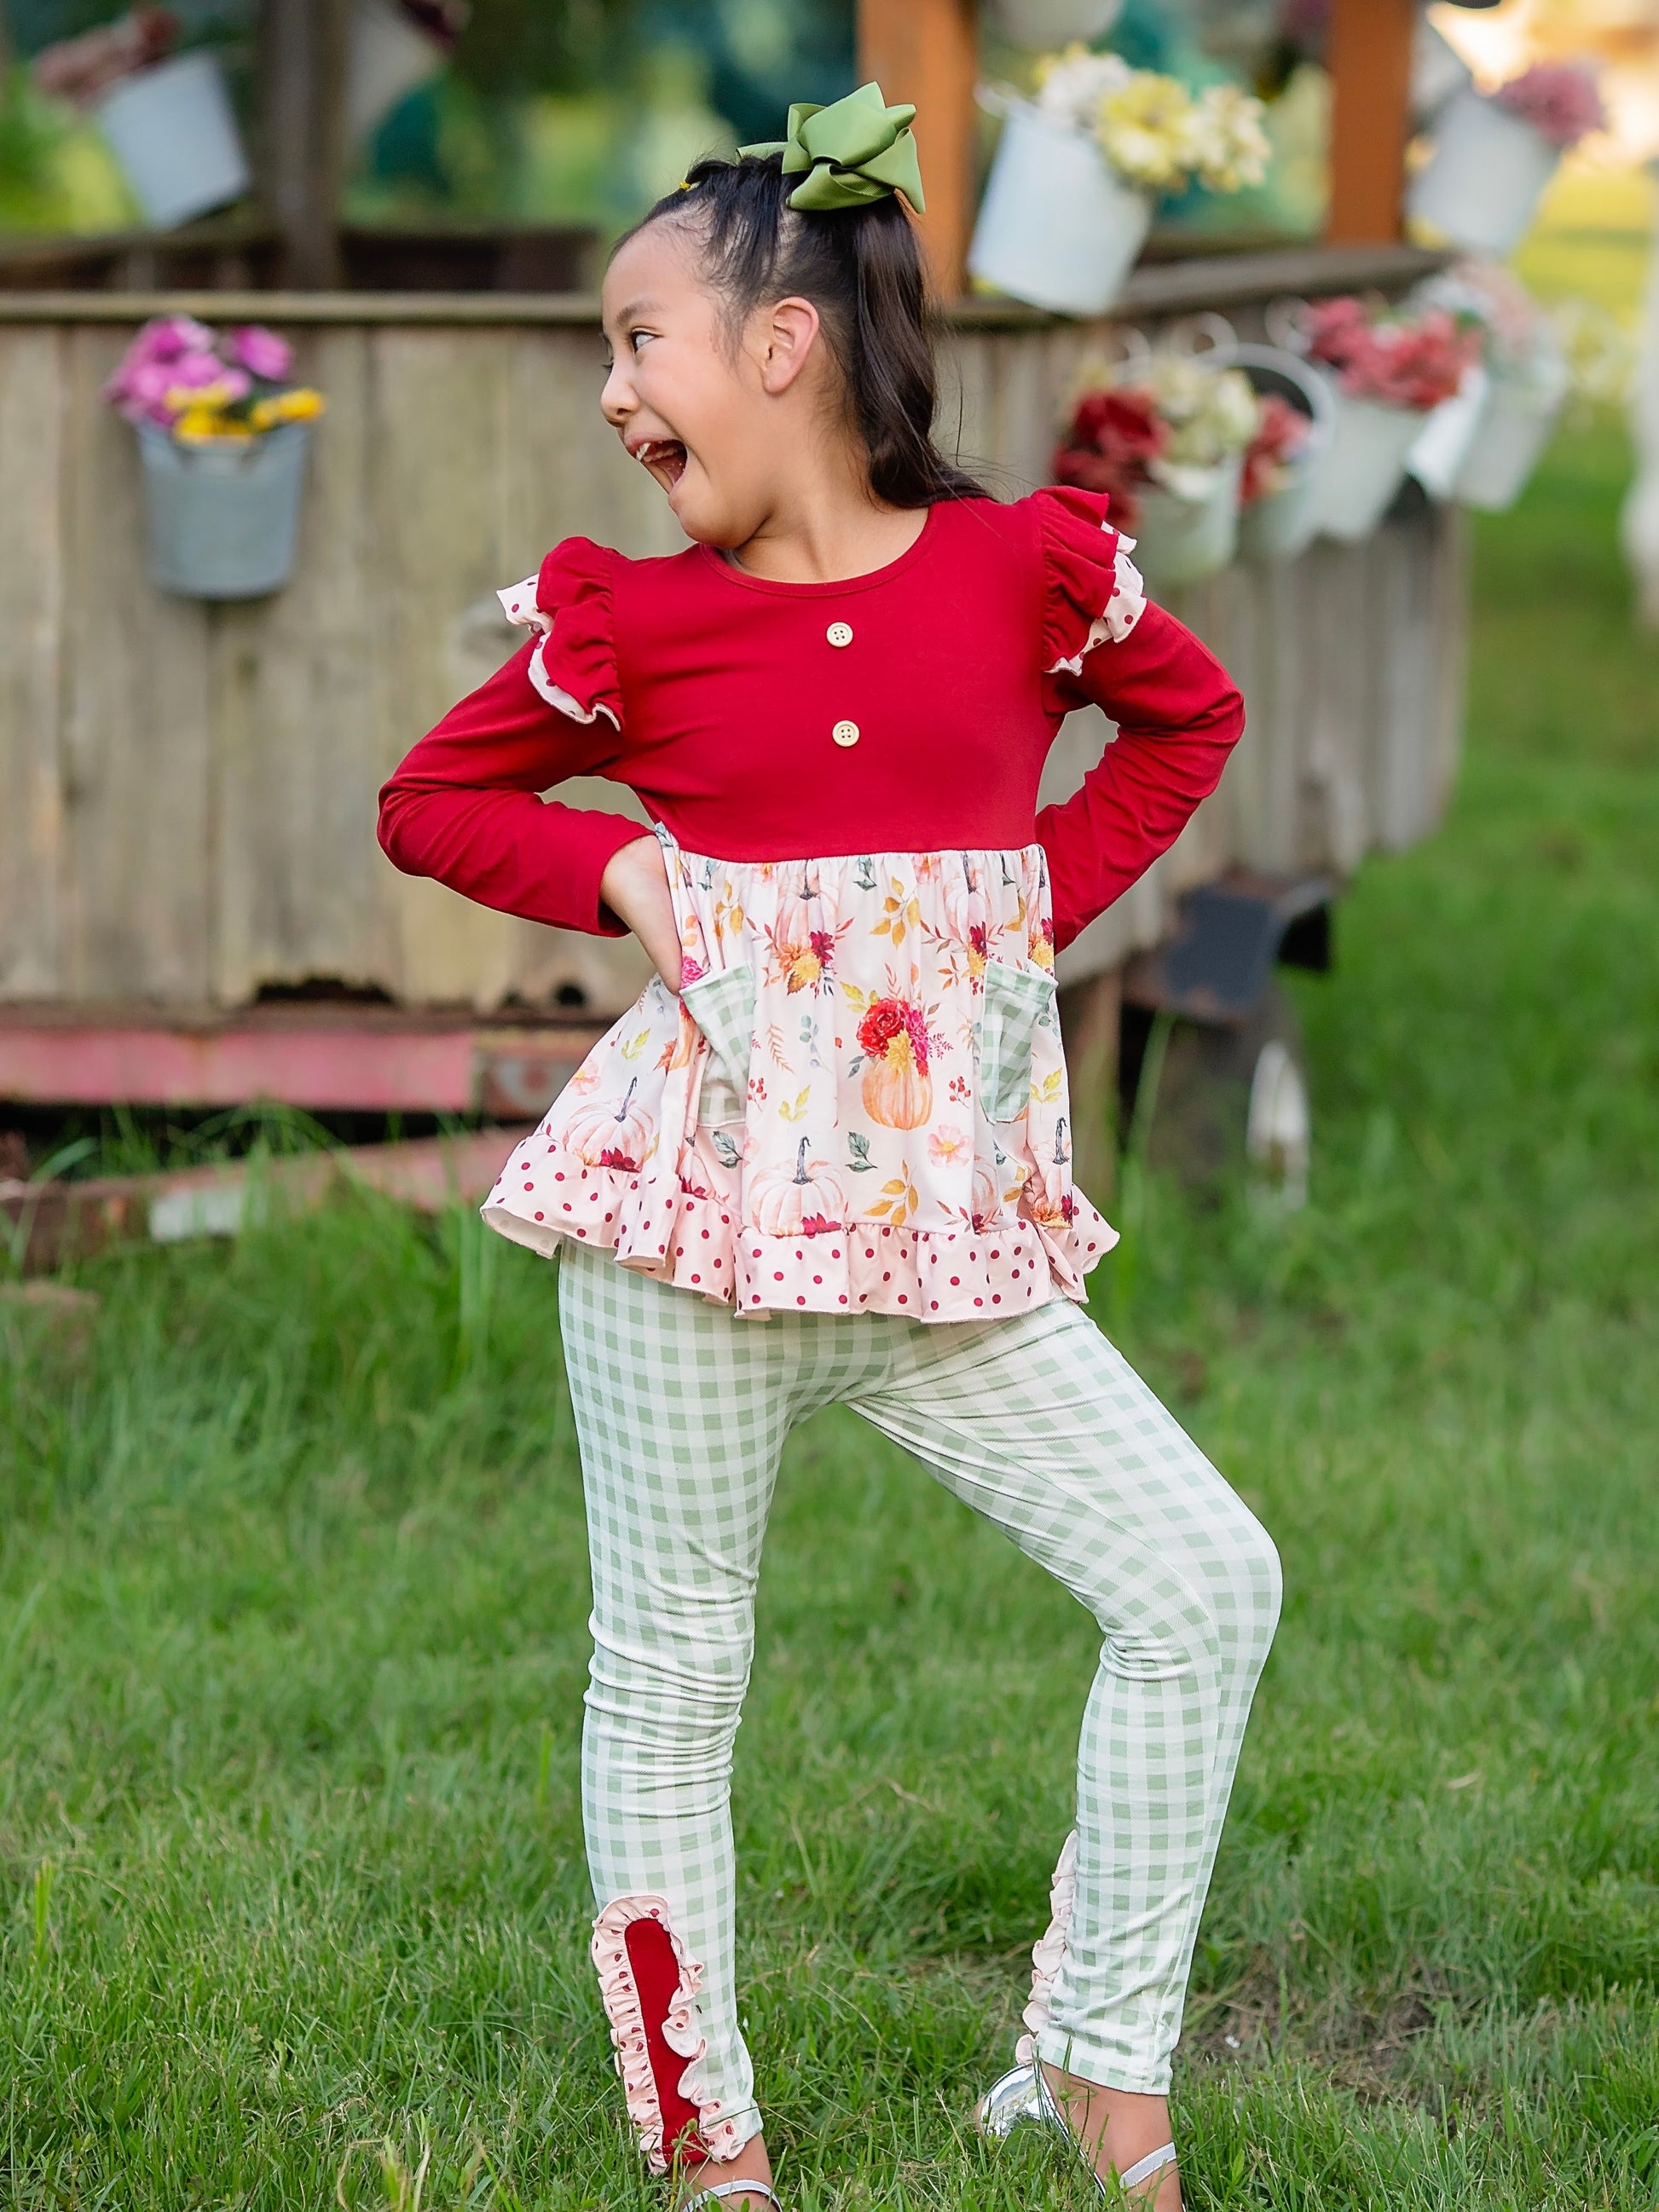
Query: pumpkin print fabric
[858, 1102]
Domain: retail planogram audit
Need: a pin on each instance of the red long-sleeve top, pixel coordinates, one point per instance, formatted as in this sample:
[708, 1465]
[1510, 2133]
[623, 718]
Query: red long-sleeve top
[910, 709]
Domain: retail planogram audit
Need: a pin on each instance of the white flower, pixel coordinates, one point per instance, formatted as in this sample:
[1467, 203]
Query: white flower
[1230, 148]
[1071, 86]
[1211, 412]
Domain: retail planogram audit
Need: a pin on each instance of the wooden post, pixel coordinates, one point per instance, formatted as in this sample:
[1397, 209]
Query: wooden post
[926, 50]
[1370, 57]
[302, 66]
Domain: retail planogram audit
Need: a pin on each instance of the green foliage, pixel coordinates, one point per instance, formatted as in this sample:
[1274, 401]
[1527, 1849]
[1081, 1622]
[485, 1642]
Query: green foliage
[292, 1642]
[56, 172]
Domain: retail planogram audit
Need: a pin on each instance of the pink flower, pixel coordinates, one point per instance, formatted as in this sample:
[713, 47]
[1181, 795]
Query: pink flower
[1281, 431]
[256, 349]
[165, 337]
[151, 364]
[198, 367]
[1558, 99]
[142, 392]
[1391, 357]
[948, 1143]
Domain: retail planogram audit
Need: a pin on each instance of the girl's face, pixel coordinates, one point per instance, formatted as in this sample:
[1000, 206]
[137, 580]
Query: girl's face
[719, 426]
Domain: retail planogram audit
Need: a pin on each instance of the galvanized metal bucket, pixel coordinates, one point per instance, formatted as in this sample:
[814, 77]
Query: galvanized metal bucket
[1481, 185]
[1516, 427]
[1276, 526]
[224, 519]
[1182, 541]
[173, 131]
[1365, 465]
[1057, 227]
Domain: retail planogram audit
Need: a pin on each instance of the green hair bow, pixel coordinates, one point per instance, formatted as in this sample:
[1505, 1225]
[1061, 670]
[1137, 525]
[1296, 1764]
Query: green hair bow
[855, 150]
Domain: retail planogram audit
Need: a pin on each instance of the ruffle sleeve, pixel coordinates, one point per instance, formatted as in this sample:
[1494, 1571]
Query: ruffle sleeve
[1092, 592]
[568, 604]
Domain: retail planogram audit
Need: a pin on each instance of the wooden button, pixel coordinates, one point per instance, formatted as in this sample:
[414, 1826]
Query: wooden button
[846, 733]
[840, 633]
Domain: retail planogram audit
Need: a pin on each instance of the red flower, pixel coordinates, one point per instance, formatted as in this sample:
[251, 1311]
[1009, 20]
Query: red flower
[615, 1157]
[1112, 437]
[884, 1021]
[880, 1026]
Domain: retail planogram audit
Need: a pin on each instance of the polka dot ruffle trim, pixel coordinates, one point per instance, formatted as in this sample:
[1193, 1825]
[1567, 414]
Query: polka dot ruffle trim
[546, 1196]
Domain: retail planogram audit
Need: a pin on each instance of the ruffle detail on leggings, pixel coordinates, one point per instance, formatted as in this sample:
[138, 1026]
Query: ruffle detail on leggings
[1048, 1953]
[718, 2137]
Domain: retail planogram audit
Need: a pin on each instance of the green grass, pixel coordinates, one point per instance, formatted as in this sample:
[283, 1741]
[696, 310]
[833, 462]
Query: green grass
[292, 1599]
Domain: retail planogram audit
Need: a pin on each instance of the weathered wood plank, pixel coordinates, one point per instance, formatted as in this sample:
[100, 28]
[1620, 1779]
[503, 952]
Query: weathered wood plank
[137, 729]
[298, 742]
[1222, 280]
[32, 426]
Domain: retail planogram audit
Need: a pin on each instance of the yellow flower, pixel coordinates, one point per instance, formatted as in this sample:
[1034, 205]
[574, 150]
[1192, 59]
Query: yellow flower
[1145, 131]
[300, 405]
[206, 426]
[193, 398]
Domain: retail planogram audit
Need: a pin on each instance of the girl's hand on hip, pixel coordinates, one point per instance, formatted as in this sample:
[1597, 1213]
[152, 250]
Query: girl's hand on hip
[634, 886]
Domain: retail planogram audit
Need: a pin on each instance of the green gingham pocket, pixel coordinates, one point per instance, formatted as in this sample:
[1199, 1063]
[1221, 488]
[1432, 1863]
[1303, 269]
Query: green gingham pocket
[722, 1005]
[1018, 1002]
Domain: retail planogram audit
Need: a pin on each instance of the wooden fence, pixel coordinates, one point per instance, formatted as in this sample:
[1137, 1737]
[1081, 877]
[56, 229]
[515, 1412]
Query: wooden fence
[187, 790]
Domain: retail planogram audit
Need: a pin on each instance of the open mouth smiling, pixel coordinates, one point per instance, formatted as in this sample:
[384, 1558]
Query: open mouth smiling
[665, 457]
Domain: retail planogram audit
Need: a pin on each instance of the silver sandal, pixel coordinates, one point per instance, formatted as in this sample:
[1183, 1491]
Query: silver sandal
[1023, 2098]
[731, 2189]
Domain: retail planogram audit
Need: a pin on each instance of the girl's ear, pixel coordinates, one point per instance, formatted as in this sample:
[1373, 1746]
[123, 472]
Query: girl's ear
[788, 333]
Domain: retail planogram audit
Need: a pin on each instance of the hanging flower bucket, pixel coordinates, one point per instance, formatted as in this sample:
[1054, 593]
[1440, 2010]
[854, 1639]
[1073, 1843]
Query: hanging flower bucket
[173, 129]
[1523, 379]
[223, 519]
[1388, 369]
[1494, 156]
[1056, 228]
[222, 440]
[1069, 197]
[1284, 462]
[1164, 434]
[1365, 466]
[1519, 418]
[1449, 431]
[1182, 537]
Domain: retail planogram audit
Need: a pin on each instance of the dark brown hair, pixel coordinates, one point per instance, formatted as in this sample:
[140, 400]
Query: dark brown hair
[861, 268]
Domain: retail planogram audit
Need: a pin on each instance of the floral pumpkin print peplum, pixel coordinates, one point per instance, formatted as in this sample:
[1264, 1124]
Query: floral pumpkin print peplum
[858, 1104]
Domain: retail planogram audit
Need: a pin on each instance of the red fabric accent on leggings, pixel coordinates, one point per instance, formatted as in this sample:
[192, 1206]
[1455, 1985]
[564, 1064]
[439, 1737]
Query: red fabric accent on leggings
[657, 1977]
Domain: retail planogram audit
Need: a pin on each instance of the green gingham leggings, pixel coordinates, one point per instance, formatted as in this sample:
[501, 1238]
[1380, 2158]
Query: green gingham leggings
[682, 1410]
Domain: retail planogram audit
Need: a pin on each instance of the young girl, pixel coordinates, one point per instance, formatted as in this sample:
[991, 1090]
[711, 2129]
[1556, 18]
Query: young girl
[826, 1156]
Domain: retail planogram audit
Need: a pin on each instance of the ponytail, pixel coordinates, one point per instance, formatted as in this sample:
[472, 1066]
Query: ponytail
[861, 268]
